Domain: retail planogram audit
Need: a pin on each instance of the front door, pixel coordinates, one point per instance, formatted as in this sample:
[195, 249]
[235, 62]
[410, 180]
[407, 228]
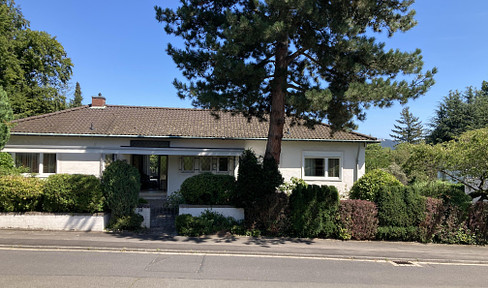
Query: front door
[153, 170]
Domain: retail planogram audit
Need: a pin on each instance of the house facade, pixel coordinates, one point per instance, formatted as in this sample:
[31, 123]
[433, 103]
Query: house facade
[168, 145]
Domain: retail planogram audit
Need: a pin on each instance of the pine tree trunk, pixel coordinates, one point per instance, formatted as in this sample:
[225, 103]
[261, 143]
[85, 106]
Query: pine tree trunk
[277, 115]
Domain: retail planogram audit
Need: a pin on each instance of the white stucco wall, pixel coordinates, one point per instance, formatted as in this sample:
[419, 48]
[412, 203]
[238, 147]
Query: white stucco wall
[352, 156]
[79, 163]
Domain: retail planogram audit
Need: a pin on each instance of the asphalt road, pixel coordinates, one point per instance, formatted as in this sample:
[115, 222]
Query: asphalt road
[71, 268]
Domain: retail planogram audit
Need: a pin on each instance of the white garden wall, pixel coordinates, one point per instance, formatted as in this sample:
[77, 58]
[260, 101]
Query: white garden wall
[54, 221]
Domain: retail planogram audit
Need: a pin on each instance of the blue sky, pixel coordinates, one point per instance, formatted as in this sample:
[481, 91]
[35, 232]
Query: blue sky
[118, 49]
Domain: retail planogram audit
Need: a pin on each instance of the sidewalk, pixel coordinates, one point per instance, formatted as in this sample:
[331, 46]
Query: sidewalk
[132, 242]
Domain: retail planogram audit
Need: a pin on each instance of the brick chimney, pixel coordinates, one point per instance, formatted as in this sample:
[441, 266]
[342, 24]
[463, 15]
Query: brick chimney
[98, 101]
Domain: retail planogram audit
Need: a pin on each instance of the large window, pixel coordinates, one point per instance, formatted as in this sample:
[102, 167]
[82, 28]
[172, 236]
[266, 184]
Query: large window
[36, 162]
[205, 164]
[187, 164]
[322, 165]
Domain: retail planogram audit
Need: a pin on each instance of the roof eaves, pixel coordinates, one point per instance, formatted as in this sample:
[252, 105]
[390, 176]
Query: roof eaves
[186, 137]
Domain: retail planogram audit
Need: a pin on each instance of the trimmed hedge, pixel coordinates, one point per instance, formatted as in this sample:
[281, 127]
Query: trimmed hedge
[359, 218]
[313, 211]
[400, 212]
[368, 186]
[72, 193]
[209, 189]
[20, 194]
[450, 193]
[207, 223]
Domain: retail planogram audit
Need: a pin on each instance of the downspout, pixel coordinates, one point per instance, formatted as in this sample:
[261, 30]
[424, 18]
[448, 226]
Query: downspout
[356, 171]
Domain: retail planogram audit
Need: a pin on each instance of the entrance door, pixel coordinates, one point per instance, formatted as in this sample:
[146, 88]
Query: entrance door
[153, 170]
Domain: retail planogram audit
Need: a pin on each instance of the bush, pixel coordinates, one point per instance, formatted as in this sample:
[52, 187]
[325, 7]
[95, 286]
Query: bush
[359, 219]
[208, 189]
[400, 212]
[368, 186]
[313, 211]
[72, 193]
[127, 222]
[207, 223]
[269, 215]
[431, 224]
[400, 206]
[7, 165]
[478, 221]
[256, 187]
[256, 179]
[397, 233]
[450, 193]
[20, 194]
[120, 186]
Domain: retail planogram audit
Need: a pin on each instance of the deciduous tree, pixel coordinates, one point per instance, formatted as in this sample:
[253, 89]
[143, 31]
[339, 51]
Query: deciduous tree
[5, 117]
[33, 65]
[307, 59]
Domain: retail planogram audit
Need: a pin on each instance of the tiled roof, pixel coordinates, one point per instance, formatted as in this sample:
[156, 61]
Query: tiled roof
[113, 120]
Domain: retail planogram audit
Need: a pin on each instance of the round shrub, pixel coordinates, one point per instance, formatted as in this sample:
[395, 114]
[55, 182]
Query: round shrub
[120, 186]
[20, 194]
[72, 193]
[208, 189]
[367, 187]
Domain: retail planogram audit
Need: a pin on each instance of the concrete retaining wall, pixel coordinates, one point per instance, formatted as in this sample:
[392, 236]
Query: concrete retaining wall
[55, 221]
[227, 211]
[146, 213]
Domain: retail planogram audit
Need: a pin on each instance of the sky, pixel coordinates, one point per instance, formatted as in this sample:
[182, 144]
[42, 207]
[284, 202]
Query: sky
[118, 49]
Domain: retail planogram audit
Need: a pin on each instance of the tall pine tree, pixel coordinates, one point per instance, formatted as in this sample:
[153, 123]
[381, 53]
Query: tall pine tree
[460, 112]
[409, 128]
[308, 59]
[77, 97]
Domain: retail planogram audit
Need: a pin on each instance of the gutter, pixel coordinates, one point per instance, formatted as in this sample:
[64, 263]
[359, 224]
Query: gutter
[187, 137]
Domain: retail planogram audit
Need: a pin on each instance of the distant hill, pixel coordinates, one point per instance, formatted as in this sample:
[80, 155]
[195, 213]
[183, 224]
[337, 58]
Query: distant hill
[388, 143]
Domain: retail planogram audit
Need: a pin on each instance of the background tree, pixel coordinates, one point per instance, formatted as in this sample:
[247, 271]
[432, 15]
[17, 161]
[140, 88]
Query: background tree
[466, 160]
[5, 117]
[77, 98]
[460, 112]
[311, 60]
[33, 65]
[409, 130]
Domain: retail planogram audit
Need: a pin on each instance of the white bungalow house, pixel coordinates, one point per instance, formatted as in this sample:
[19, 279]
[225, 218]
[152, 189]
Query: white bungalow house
[168, 145]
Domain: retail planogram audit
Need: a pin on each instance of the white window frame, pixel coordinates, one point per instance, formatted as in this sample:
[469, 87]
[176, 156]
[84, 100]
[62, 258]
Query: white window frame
[183, 164]
[200, 162]
[41, 162]
[326, 156]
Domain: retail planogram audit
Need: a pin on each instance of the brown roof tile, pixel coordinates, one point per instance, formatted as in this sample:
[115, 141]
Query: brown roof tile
[113, 120]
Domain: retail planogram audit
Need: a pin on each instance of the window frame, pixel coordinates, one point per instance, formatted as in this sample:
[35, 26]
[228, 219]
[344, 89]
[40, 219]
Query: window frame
[325, 156]
[183, 164]
[40, 163]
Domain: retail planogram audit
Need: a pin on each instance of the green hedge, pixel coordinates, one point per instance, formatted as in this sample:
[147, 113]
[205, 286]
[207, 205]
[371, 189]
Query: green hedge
[209, 189]
[72, 193]
[400, 212]
[20, 194]
[313, 211]
[207, 223]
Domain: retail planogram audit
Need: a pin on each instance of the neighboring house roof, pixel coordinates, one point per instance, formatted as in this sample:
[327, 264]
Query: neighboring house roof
[137, 121]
